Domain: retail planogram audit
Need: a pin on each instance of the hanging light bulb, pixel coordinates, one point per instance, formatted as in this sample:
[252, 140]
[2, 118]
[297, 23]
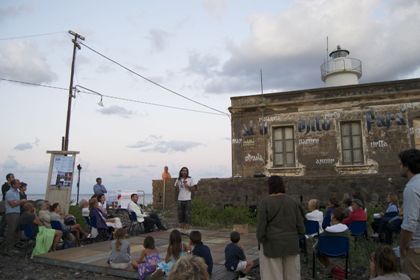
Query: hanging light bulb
[100, 103]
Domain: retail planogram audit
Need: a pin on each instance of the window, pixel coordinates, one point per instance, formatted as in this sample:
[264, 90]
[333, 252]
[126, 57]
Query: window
[284, 146]
[351, 142]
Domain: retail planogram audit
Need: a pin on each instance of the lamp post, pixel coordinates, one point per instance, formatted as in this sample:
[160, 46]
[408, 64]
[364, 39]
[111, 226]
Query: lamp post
[79, 168]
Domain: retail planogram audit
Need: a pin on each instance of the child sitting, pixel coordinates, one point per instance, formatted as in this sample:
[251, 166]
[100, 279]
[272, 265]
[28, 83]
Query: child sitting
[176, 249]
[235, 259]
[120, 250]
[201, 250]
[148, 260]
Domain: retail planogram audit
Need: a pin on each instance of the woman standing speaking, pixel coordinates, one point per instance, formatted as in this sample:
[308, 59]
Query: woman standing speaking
[279, 223]
[185, 184]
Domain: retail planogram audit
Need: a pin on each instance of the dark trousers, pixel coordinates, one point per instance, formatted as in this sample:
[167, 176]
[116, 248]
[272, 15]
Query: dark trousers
[150, 222]
[12, 220]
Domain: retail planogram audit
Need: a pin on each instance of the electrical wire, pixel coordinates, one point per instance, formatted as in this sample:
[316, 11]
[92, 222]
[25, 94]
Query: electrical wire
[151, 81]
[92, 92]
[30, 36]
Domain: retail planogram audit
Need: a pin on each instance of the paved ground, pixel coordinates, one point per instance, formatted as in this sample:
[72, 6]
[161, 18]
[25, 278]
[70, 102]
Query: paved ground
[93, 257]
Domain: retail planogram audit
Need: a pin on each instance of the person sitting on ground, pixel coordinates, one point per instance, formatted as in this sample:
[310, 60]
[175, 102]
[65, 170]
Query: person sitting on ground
[337, 228]
[99, 222]
[46, 238]
[148, 260]
[358, 213]
[176, 249]
[332, 204]
[380, 221]
[120, 250]
[235, 259]
[314, 214]
[44, 214]
[149, 220]
[201, 250]
[189, 267]
[76, 229]
[383, 265]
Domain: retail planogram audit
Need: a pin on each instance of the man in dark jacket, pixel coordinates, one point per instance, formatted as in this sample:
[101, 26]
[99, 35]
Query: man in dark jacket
[6, 186]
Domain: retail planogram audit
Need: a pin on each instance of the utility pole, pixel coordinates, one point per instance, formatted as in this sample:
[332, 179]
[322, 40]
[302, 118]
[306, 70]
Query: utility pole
[65, 147]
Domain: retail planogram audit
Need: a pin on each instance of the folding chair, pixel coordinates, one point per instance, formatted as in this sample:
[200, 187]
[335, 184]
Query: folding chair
[311, 230]
[56, 225]
[358, 228]
[135, 226]
[332, 247]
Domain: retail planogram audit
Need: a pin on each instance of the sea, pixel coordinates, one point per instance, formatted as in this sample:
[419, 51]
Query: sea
[148, 198]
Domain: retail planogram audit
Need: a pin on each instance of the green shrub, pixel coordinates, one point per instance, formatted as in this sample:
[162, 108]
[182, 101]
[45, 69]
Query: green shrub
[77, 213]
[204, 215]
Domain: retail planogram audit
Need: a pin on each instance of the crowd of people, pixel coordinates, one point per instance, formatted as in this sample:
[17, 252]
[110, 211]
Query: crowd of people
[280, 227]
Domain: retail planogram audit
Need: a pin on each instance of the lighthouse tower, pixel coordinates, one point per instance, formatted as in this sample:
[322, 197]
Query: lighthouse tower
[340, 69]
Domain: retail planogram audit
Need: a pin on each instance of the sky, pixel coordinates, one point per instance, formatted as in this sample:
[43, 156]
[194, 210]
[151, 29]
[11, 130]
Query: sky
[206, 51]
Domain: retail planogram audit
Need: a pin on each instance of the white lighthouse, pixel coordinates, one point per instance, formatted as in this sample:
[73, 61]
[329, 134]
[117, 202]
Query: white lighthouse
[340, 69]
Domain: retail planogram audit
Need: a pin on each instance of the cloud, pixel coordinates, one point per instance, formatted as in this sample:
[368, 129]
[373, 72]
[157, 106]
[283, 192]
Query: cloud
[158, 39]
[26, 145]
[116, 110]
[21, 60]
[11, 12]
[202, 64]
[155, 143]
[13, 166]
[123, 166]
[215, 8]
[104, 68]
[289, 47]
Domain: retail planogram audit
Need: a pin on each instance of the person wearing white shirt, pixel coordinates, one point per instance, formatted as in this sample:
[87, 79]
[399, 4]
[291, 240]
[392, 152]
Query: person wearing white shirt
[185, 185]
[149, 220]
[314, 214]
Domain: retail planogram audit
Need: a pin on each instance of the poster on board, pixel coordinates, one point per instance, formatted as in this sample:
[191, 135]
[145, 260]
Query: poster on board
[62, 171]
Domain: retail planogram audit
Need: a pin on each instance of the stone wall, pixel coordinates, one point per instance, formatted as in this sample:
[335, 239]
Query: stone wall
[249, 191]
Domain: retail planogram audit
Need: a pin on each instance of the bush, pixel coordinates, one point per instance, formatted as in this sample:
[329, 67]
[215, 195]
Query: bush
[204, 215]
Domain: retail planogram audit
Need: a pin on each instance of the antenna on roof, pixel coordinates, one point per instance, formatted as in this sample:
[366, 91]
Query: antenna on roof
[262, 90]
[327, 49]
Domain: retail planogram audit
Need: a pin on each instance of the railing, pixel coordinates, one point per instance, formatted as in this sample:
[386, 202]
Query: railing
[344, 64]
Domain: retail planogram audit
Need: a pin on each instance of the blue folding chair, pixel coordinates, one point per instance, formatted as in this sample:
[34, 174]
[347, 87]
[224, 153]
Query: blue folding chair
[332, 247]
[312, 228]
[56, 225]
[135, 226]
[358, 229]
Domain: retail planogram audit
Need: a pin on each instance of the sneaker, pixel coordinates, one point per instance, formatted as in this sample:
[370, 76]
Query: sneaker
[158, 274]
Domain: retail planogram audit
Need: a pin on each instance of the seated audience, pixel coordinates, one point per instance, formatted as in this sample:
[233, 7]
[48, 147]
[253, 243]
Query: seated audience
[44, 214]
[235, 259]
[150, 221]
[358, 213]
[337, 228]
[201, 250]
[176, 249]
[332, 204]
[380, 221]
[347, 206]
[100, 229]
[84, 205]
[148, 260]
[189, 267]
[314, 214]
[57, 215]
[120, 250]
[384, 265]
[102, 202]
[46, 238]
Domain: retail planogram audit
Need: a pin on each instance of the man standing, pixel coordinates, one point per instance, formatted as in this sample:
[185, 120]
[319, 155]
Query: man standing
[13, 203]
[149, 220]
[99, 189]
[410, 227]
[6, 186]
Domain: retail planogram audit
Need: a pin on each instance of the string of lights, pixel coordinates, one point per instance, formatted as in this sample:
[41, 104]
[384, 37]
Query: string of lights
[86, 90]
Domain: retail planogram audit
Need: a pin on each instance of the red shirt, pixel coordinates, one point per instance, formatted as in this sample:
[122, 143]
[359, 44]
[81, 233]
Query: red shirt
[356, 215]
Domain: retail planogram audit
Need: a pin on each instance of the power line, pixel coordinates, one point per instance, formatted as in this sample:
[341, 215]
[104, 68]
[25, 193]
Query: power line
[92, 92]
[30, 36]
[151, 81]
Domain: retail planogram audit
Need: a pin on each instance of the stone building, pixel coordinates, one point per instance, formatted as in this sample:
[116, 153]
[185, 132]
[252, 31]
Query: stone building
[330, 141]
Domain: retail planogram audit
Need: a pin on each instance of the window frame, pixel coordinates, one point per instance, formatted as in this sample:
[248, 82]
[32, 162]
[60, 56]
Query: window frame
[352, 148]
[284, 143]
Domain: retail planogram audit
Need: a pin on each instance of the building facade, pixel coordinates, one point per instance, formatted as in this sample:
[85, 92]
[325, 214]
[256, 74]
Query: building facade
[337, 130]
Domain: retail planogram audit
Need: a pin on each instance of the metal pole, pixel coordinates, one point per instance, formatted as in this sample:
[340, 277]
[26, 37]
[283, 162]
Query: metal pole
[79, 168]
[75, 45]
